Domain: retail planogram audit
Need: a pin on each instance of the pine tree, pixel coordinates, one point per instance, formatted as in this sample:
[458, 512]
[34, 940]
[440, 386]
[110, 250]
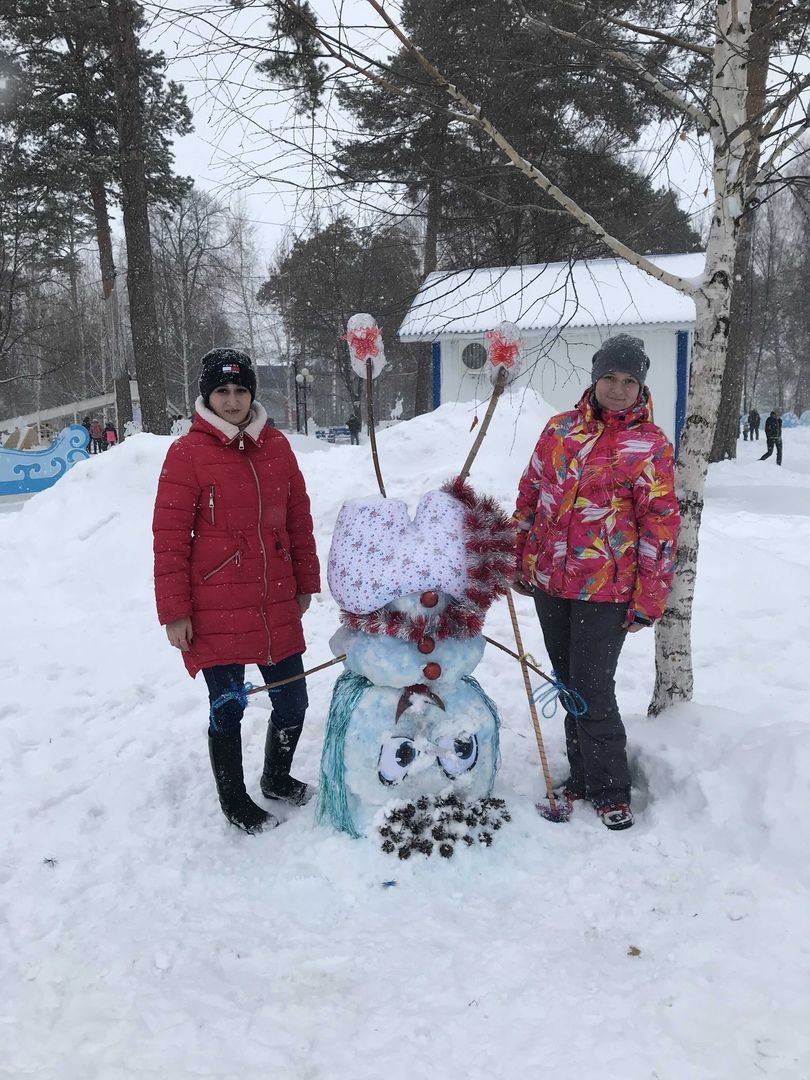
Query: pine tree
[326, 278]
[70, 118]
[560, 111]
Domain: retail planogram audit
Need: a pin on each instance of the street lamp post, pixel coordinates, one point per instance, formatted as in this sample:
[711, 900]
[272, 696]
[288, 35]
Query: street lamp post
[296, 389]
[304, 380]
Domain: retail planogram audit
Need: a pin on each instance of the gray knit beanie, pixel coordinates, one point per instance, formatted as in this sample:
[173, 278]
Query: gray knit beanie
[621, 353]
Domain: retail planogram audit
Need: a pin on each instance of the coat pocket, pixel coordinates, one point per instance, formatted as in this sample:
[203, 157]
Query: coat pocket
[280, 549]
[235, 557]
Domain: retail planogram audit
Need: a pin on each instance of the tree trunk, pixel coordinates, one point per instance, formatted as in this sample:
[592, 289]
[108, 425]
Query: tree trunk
[140, 282]
[109, 292]
[424, 352]
[674, 679]
[739, 341]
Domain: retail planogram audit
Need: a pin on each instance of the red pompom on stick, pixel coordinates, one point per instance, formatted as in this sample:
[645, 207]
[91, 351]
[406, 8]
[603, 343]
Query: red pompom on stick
[503, 346]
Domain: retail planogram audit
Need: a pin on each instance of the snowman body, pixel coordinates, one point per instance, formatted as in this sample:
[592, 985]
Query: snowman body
[414, 733]
[407, 718]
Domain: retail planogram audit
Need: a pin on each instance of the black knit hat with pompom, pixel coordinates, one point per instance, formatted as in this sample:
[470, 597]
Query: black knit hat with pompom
[223, 366]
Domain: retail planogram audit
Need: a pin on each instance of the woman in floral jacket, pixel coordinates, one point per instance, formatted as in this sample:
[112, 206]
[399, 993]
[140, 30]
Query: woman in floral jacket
[597, 524]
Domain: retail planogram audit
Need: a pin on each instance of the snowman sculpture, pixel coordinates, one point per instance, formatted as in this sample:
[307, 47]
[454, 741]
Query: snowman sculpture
[409, 728]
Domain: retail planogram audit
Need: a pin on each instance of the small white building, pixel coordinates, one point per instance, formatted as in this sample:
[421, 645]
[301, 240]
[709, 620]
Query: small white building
[564, 312]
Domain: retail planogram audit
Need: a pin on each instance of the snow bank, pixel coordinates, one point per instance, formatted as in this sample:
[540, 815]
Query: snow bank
[142, 937]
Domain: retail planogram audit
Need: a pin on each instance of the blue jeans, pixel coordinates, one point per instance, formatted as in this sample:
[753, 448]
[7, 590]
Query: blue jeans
[289, 702]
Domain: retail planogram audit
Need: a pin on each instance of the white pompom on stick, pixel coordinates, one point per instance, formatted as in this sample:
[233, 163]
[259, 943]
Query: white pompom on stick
[367, 357]
[365, 342]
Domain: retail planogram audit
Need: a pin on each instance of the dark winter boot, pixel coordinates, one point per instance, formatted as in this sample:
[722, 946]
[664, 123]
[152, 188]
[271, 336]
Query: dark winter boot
[225, 752]
[276, 782]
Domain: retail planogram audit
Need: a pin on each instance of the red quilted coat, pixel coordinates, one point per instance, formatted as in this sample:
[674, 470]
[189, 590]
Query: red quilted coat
[233, 542]
[596, 513]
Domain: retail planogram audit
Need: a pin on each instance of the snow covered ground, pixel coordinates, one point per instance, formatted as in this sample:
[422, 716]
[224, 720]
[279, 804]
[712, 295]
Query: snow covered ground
[143, 937]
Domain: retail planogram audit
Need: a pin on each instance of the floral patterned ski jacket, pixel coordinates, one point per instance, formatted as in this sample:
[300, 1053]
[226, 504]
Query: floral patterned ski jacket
[596, 515]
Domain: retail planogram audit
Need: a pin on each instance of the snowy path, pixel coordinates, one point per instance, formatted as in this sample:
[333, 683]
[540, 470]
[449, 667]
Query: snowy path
[141, 937]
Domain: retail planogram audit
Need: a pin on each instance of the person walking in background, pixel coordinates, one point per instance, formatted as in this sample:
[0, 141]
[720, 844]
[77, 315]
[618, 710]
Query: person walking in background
[773, 435]
[235, 567]
[753, 424]
[110, 434]
[86, 424]
[745, 427]
[354, 426]
[96, 437]
[597, 526]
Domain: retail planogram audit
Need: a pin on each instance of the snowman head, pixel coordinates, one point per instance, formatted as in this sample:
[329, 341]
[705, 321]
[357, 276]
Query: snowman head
[459, 547]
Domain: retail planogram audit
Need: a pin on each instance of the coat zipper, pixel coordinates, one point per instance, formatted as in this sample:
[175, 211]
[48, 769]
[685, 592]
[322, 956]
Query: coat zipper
[211, 503]
[264, 555]
[235, 557]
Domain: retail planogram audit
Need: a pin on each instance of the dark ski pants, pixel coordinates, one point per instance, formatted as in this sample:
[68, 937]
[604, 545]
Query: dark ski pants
[583, 640]
[289, 702]
[771, 444]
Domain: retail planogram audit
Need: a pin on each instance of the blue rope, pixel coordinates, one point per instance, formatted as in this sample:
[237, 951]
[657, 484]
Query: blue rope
[548, 695]
[238, 694]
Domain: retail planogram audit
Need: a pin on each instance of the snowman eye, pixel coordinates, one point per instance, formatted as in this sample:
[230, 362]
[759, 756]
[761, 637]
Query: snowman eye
[396, 756]
[459, 756]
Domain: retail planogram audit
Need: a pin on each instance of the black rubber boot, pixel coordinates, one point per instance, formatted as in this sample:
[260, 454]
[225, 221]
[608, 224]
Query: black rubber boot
[276, 782]
[225, 752]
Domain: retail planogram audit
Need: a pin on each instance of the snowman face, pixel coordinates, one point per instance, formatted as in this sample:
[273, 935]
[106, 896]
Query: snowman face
[395, 752]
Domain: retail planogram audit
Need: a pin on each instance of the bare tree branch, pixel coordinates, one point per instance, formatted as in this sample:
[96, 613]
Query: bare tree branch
[647, 31]
[624, 60]
[768, 165]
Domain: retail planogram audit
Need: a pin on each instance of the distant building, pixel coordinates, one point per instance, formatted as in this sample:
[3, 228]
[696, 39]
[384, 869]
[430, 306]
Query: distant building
[564, 311]
[273, 391]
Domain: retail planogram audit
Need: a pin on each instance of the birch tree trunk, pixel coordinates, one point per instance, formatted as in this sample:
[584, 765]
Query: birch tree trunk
[674, 679]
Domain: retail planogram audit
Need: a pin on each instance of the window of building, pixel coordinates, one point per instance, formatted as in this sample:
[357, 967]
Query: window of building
[474, 356]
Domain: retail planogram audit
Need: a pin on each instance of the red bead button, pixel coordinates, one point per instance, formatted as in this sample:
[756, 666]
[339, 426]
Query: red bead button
[432, 671]
[429, 599]
[426, 645]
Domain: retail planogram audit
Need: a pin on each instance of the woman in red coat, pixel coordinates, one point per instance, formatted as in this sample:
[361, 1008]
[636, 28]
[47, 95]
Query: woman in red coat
[235, 567]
